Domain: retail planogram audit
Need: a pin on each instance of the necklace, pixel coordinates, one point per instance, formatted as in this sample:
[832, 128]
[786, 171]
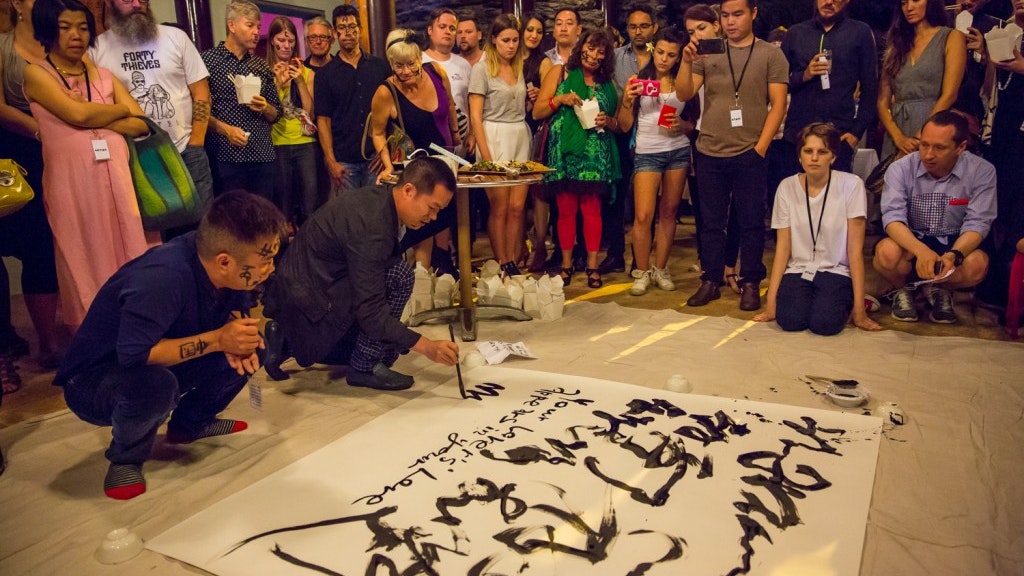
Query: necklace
[67, 72]
[1004, 85]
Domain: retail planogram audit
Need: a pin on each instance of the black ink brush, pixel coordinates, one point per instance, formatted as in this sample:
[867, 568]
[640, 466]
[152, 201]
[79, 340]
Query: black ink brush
[458, 368]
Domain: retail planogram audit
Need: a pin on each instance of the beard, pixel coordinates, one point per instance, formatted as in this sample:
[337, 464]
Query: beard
[137, 26]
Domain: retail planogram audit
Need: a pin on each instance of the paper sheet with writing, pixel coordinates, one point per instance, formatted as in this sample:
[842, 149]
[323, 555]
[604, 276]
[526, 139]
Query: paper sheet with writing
[543, 474]
[496, 352]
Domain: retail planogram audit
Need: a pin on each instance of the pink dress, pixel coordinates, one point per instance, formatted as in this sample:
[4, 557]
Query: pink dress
[90, 203]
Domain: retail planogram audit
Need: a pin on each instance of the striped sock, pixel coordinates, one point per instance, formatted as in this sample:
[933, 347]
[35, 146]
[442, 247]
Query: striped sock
[219, 427]
[124, 481]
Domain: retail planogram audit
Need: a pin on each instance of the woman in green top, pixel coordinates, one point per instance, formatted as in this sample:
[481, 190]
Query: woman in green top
[292, 134]
[585, 160]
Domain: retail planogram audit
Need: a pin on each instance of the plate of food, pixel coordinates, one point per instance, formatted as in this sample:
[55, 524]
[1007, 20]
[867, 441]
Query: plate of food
[511, 167]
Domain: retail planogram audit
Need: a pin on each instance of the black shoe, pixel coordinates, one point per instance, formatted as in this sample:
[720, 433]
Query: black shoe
[612, 264]
[509, 269]
[441, 261]
[750, 296]
[707, 292]
[381, 378]
[275, 352]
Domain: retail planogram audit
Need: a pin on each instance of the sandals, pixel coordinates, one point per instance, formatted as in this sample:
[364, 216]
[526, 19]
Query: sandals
[10, 380]
[591, 280]
[732, 281]
[567, 275]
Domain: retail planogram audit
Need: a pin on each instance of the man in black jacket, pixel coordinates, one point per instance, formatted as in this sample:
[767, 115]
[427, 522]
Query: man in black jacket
[341, 286]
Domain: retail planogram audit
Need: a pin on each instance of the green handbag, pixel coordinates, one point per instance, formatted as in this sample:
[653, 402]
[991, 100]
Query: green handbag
[14, 189]
[165, 190]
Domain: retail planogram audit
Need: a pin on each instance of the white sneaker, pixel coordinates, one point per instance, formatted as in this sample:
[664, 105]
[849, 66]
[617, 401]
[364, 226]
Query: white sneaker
[663, 278]
[641, 281]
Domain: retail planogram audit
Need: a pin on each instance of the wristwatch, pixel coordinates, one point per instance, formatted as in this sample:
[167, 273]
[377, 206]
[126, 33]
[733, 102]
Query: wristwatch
[958, 257]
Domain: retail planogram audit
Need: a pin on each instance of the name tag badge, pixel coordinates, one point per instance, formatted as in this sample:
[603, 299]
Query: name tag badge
[99, 148]
[736, 116]
[809, 271]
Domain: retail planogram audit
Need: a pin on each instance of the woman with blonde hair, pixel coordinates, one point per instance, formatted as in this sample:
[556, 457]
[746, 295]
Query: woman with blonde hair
[421, 93]
[497, 113]
[292, 135]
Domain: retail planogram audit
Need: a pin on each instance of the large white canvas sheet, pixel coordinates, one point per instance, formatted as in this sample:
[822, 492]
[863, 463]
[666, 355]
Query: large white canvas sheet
[552, 474]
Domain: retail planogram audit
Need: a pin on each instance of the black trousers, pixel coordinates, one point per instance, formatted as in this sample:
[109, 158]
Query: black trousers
[822, 305]
[736, 182]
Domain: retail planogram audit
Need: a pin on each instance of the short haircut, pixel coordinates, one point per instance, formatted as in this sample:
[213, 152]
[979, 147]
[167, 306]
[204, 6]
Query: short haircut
[644, 7]
[952, 118]
[751, 4]
[45, 16]
[437, 13]
[425, 173]
[342, 10]
[824, 130]
[702, 13]
[575, 12]
[314, 21]
[469, 17]
[241, 9]
[778, 34]
[402, 44]
[237, 219]
[602, 38]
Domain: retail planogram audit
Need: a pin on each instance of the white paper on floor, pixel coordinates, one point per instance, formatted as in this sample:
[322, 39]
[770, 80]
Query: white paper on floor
[541, 473]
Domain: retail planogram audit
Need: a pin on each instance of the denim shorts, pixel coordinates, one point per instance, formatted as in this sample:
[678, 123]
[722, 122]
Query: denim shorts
[678, 159]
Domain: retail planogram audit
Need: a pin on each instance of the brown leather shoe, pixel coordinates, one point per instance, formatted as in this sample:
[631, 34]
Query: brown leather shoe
[750, 296]
[707, 292]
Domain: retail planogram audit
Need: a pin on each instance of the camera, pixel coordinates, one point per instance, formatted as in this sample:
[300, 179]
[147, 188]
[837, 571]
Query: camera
[711, 46]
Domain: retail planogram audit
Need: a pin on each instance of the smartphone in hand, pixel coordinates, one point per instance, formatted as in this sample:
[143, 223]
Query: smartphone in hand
[711, 46]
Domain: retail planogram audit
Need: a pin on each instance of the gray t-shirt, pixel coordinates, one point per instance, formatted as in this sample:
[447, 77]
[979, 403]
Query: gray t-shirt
[502, 103]
[767, 65]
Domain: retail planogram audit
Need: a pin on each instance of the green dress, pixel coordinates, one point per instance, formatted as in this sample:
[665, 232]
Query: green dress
[578, 154]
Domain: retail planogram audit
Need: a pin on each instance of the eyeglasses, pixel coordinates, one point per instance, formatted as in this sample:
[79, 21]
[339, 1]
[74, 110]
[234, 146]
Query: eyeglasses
[318, 38]
[350, 28]
[411, 67]
[639, 27]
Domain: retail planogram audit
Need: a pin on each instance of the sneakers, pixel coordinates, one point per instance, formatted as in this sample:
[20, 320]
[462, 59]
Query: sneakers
[641, 281]
[903, 305]
[941, 302]
[663, 279]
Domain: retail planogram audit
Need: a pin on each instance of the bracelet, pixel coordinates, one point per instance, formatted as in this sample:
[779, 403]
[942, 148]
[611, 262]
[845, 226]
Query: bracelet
[551, 102]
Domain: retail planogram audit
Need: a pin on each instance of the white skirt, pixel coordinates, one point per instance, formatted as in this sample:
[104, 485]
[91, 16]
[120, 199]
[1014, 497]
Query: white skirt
[507, 141]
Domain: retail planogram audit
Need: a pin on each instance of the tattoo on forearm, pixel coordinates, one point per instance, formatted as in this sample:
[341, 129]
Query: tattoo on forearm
[200, 111]
[192, 349]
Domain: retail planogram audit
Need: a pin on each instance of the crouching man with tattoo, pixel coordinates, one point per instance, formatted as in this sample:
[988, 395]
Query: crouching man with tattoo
[170, 331]
[342, 284]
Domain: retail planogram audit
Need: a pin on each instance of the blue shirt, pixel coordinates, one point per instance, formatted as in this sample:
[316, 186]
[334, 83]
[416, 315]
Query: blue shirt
[626, 64]
[965, 200]
[854, 60]
[165, 293]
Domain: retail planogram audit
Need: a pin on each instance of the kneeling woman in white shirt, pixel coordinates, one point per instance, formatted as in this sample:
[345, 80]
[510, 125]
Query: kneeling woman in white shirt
[817, 277]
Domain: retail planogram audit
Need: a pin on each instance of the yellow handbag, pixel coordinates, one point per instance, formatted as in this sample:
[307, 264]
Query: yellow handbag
[14, 190]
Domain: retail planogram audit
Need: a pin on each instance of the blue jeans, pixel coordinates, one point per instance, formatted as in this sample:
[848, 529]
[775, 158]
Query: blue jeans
[357, 175]
[198, 165]
[296, 181]
[135, 401]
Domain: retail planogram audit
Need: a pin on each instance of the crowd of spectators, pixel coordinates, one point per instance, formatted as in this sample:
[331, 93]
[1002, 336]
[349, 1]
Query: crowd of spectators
[697, 113]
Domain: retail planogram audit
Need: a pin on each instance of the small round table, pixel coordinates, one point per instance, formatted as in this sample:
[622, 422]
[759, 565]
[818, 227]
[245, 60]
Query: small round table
[466, 311]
